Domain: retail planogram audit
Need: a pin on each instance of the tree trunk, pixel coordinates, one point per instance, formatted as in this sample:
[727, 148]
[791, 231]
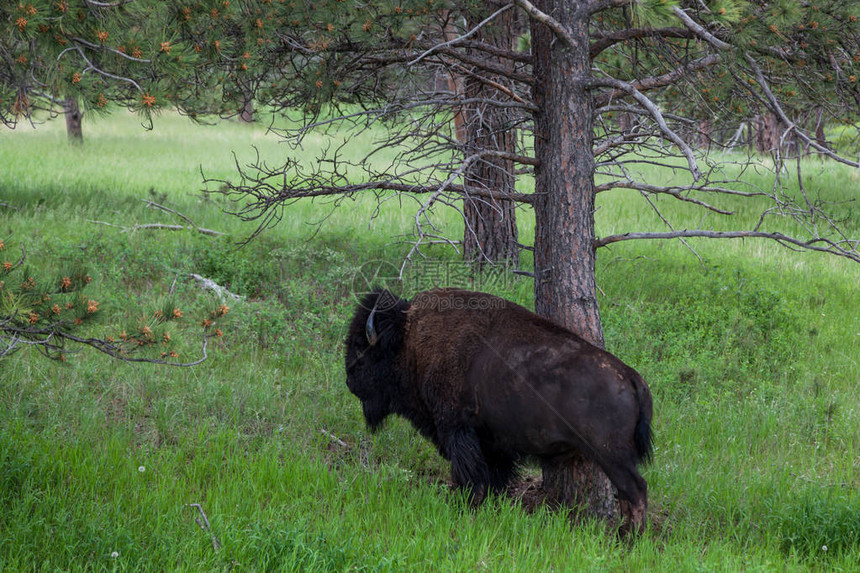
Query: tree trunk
[247, 113]
[491, 225]
[820, 137]
[767, 132]
[74, 117]
[705, 133]
[565, 287]
[490, 233]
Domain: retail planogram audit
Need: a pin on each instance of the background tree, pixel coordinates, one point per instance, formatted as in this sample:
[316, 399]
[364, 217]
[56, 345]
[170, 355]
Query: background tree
[81, 56]
[490, 232]
[69, 57]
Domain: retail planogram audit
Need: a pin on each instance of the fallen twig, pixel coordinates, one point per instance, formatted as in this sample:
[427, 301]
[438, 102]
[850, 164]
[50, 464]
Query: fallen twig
[168, 210]
[147, 226]
[333, 438]
[209, 284]
[205, 524]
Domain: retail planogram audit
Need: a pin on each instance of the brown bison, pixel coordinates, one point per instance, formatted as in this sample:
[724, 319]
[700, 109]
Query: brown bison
[491, 383]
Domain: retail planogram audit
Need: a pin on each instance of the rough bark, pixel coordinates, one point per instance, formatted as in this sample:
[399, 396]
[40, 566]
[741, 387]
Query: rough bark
[74, 118]
[565, 287]
[490, 233]
[767, 132]
[247, 113]
[820, 137]
[705, 134]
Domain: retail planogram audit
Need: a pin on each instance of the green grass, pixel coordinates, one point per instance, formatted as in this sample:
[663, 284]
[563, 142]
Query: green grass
[752, 358]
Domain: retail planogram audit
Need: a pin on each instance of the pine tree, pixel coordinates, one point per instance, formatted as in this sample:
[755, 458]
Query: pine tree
[603, 86]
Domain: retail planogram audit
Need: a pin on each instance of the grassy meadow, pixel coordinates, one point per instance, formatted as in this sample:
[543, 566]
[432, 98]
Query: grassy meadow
[751, 351]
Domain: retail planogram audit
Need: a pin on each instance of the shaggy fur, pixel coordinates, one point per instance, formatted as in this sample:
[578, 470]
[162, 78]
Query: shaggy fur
[489, 383]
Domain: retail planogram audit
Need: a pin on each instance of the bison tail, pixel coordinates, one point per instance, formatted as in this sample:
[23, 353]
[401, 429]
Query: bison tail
[642, 431]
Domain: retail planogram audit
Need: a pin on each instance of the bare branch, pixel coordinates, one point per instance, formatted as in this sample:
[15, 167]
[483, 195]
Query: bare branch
[204, 525]
[52, 339]
[497, 86]
[668, 224]
[149, 226]
[601, 5]
[699, 30]
[777, 109]
[333, 438]
[557, 27]
[521, 57]
[834, 248]
[468, 34]
[654, 82]
[493, 69]
[628, 184]
[456, 174]
[656, 115]
[108, 4]
[116, 351]
[674, 192]
[609, 39]
[96, 69]
[158, 226]
[209, 284]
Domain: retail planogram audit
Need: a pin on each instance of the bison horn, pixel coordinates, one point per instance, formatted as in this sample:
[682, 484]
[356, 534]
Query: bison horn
[370, 328]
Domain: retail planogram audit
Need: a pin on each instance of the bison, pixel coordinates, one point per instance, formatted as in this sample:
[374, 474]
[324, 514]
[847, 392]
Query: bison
[491, 384]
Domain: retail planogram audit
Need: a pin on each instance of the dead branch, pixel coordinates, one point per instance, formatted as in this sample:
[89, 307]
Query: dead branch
[204, 525]
[790, 125]
[557, 27]
[672, 191]
[150, 226]
[672, 228]
[521, 57]
[699, 30]
[96, 69]
[608, 39]
[654, 82]
[465, 36]
[675, 189]
[333, 438]
[119, 53]
[656, 115]
[155, 205]
[592, 8]
[850, 251]
[209, 284]
[52, 339]
[157, 226]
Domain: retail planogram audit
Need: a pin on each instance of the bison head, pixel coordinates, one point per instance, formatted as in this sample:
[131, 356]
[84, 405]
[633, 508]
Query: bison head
[373, 348]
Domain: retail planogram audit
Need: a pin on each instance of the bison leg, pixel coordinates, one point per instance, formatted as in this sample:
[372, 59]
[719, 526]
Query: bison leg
[632, 495]
[468, 465]
[634, 518]
[503, 468]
